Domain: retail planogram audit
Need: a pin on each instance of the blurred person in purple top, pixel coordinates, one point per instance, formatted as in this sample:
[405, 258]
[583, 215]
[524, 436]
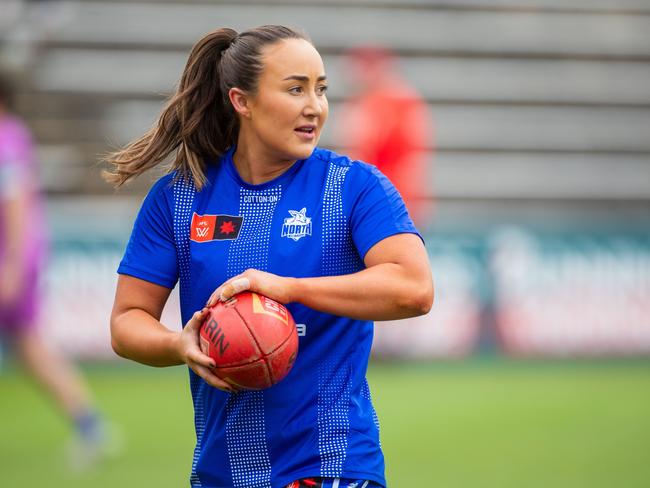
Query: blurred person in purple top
[22, 256]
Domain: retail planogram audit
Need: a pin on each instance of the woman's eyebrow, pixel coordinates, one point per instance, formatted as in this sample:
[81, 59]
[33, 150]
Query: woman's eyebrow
[304, 78]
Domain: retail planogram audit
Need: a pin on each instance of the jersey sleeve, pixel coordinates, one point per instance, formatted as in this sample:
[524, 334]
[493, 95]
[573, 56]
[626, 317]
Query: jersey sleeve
[151, 252]
[375, 208]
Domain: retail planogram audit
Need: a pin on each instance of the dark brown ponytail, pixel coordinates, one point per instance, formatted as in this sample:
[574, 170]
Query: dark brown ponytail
[198, 121]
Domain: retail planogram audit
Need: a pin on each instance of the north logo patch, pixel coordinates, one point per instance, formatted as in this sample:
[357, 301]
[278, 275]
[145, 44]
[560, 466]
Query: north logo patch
[297, 226]
[206, 228]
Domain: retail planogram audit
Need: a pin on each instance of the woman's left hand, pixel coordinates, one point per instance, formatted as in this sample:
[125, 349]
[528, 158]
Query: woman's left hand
[273, 286]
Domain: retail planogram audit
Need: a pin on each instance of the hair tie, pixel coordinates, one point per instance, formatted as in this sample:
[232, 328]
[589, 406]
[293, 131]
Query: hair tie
[230, 44]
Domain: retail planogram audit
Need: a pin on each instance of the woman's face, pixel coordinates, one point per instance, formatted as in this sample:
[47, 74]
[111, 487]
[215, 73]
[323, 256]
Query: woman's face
[289, 109]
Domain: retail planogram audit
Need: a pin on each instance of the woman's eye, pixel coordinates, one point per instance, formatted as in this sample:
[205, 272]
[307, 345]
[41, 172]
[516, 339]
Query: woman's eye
[322, 89]
[295, 89]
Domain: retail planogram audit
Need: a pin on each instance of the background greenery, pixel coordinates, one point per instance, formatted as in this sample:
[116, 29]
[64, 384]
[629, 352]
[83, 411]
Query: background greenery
[483, 422]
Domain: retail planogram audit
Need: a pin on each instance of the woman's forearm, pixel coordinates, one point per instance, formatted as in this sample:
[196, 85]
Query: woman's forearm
[138, 336]
[382, 292]
[395, 284]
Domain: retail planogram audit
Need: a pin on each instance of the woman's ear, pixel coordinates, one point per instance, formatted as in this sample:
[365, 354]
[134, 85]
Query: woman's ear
[240, 102]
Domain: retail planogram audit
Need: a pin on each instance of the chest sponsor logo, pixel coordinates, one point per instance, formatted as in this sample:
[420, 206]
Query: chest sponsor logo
[206, 228]
[297, 226]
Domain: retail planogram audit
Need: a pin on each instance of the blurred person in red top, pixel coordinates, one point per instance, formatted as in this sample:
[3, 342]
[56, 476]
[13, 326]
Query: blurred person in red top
[22, 256]
[388, 124]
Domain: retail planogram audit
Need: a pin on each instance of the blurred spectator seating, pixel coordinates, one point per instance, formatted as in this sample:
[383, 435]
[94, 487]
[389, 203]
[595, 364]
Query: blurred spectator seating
[545, 100]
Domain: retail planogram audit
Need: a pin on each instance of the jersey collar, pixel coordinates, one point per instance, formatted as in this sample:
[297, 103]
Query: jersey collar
[231, 170]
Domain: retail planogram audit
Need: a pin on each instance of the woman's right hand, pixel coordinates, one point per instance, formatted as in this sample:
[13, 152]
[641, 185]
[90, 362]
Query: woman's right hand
[191, 354]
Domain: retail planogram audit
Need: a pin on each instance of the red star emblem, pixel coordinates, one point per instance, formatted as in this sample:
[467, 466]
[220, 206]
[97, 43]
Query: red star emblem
[227, 227]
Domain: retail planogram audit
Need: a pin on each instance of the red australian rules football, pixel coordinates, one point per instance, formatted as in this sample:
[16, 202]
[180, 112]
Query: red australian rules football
[252, 339]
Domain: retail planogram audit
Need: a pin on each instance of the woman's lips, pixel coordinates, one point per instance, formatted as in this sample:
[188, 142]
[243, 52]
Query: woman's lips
[306, 132]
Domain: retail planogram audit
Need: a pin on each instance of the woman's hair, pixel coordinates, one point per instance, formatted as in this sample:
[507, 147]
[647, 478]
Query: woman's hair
[198, 121]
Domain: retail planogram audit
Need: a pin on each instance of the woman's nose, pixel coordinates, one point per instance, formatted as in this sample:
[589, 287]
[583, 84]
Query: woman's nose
[313, 105]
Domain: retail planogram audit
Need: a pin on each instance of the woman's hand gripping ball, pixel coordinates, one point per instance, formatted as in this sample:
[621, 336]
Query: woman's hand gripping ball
[191, 354]
[278, 288]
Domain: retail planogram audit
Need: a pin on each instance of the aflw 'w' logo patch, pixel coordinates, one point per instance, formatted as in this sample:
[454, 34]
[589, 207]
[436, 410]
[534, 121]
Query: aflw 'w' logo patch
[207, 228]
[297, 226]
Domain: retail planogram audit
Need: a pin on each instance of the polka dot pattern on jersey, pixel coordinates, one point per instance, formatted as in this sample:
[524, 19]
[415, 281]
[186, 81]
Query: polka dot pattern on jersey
[251, 249]
[250, 463]
[365, 393]
[184, 192]
[333, 416]
[339, 256]
[198, 387]
[246, 438]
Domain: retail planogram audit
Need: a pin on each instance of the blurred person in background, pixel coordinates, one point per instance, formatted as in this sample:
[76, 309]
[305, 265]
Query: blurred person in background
[22, 256]
[243, 129]
[388, 124]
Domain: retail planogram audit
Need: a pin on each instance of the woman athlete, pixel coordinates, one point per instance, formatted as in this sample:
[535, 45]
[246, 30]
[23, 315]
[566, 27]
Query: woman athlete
[251, 203]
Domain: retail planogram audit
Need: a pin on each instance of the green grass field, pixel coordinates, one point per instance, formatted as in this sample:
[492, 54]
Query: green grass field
[479, 423]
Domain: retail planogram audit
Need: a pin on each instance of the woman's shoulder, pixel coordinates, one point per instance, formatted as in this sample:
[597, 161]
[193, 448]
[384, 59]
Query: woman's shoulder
[164, 184]
[166, 189]
[341, 160]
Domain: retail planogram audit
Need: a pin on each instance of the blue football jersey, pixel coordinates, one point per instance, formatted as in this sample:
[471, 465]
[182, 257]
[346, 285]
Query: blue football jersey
[319, 218]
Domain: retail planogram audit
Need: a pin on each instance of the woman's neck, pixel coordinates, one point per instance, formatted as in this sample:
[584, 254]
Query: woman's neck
[257, 167]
